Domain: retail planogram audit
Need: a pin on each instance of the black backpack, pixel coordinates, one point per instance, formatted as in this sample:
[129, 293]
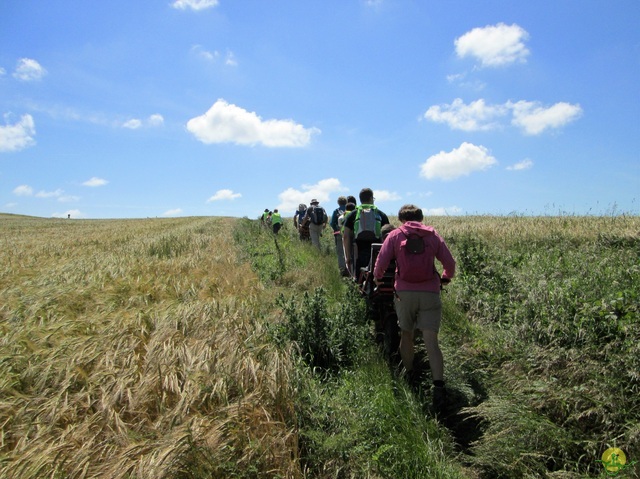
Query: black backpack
[318, 215]
[415, 244]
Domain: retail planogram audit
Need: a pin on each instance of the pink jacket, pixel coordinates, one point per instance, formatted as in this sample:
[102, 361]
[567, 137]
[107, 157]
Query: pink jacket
[391, 248]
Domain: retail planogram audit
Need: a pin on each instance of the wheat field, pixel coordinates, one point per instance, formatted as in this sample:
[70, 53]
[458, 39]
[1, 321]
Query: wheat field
[135, 349]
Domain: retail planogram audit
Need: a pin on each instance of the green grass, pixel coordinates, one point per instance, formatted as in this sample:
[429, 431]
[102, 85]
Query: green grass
[365, 423]
[554, 308]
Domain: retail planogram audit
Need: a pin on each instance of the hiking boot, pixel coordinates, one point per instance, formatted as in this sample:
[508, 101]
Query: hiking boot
[439, 399]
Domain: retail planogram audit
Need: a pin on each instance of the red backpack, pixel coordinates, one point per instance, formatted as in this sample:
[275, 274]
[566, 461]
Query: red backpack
[415, 260]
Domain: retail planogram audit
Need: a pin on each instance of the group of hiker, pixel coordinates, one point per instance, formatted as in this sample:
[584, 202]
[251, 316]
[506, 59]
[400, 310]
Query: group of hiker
[410, 249]
[311, 221]
[272, 219]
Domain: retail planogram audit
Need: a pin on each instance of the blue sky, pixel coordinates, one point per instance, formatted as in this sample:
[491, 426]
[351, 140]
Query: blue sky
[126, 109]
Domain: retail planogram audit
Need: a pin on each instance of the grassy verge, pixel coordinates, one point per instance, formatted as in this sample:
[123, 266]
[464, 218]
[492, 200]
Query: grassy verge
[355, 419]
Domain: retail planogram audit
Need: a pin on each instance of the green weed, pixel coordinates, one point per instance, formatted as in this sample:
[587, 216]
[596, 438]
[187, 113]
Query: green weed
[555, 333]
[327, 340]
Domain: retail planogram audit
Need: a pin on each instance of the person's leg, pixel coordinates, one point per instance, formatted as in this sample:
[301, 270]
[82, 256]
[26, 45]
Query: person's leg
[314, 231]
[429, 319]
[406, 306]
[436, 361]
[339, 252]
[351, 266]
[407, 349]
[364, 257]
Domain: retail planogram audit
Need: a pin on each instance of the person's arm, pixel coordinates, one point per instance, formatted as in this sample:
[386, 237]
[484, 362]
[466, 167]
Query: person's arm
[386, 254]
[446, 259]
[334, 222]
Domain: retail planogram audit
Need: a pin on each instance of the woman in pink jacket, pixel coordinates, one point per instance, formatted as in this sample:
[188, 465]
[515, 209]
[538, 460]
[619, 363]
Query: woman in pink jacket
[415, 247]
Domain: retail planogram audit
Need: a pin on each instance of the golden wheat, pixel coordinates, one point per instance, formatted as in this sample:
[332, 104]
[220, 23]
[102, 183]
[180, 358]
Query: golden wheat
[134, 348]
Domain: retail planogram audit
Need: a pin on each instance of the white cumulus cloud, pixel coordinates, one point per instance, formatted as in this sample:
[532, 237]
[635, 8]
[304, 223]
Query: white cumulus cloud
[194, 4]
[29, 70]
[23, 190]
[534, 118]
[95, 181]
[458, 162]
[69, 214]
[224, 195]
[531, 117]
[173, 212]
[155, 120]
[227, 123]
[205, 54]
[494, 45]
[18, 136]
[68, 198]
[135, 123]
[50, 194]
[213, 56]
[322, 191]
[230, 60]
[442, 211]
[384, 195]
[132, 124]
[476, 116]
[521, 165]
